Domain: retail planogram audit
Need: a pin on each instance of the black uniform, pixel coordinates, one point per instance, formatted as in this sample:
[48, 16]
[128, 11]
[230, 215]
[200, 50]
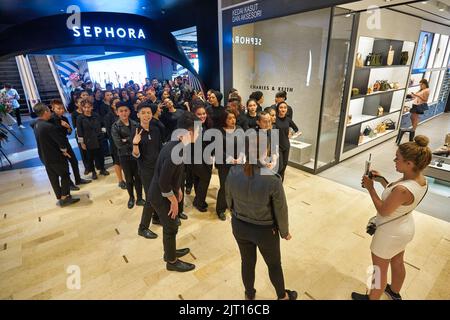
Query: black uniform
[283, 125]
[64, 132]
[170, 120]
[167, 181]
[251, 121]
[109, 120]
[89, 131]
[216, 115]
[123, 139]
[50, 146]
[74, 115]
[149, 148]
[290, 112]
[242, 121]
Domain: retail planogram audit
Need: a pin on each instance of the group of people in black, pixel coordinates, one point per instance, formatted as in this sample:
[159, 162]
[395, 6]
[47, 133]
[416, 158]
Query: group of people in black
[140, 130]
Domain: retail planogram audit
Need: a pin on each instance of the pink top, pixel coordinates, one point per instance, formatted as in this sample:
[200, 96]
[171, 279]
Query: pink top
[422, 96]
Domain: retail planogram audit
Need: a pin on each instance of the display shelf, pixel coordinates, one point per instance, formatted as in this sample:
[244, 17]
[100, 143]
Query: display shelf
[359, 96]
[385, 67]
[379, 135]
[365, 118]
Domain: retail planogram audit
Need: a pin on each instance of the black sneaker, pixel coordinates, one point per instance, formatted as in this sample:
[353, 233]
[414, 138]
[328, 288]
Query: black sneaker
[74, 188]
[200, 208]
[84, 181]
[250, 296]
[104, 172]
[222, 216]
[122, 185]
[183, 216]
[68, 201]
[359, 296]
[94, 175]
[391, 294]
[180, 266]
[292, 295]
[140, 202]
[86, 172]
[131, 203]
[148, 234]
[179, 253]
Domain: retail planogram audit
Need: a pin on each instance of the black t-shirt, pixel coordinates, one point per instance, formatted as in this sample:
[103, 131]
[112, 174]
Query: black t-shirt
[251, 121]
[149, 147]
[63, 131]
[216, 115]
[170, 121]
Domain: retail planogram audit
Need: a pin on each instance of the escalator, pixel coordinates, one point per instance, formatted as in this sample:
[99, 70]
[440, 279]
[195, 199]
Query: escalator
[43, 76]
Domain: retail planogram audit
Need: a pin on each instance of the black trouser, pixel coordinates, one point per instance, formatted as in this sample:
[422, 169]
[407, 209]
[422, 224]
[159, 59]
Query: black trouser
[83, 154]
[55, 171]
[221, 204]
[189, 176]
[284, 158]
[17, 113]
[147, 211]
[130, 169]
[170, 229]
[202, 176]
[249, 237]
[95, 155]
[74, 164]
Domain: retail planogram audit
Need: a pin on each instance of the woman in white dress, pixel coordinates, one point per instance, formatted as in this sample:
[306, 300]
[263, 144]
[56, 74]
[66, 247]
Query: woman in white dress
[395, 222]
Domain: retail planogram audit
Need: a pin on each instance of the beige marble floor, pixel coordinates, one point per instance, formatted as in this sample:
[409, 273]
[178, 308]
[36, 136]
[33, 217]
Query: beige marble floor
[327, 258]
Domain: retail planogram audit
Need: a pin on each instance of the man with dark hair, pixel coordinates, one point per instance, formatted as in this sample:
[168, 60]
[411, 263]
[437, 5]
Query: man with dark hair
[64, 129]
[165, 190]
[281, 96]
[147, 143]
[52, 149]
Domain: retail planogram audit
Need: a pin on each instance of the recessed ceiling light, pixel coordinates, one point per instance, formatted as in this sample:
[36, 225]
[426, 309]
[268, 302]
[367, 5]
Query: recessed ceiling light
[424, 2]
[143, 8]
[62, 10]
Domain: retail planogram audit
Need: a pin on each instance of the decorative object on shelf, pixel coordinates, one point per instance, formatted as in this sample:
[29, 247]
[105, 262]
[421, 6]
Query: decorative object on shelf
[369, 90]
[376, 86]
[367, 131]
[372, 133]
[380, 111]
[390, 57]
[384, 85]
[396, 85]
[381, 128]
[389, 124]
[361, 138]
[368, 59]
[404, 56]
[349, 119]
[355, 92]
[411, 82]
[359, 61]
[375, 59]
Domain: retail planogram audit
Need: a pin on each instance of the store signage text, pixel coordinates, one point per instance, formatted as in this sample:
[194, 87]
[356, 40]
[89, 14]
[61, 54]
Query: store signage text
[247, 40]
[107, 32]
[246, 13]
[270, 88]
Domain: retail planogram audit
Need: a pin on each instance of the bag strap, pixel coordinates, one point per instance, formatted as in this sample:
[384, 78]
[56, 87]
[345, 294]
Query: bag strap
[407, 212]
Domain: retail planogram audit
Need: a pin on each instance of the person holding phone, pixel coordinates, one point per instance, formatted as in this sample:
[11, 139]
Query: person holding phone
[394, 220]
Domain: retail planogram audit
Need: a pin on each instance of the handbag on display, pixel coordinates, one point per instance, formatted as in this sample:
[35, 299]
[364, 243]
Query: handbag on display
[349, 119]
[380, 111]
[384, 85]
[447, 139]
[372, 133]
[368, 59]
[404, 56]
[390, 57]
[390, 125]
[375, 60]
[355, 92]
[369, 90]
[381, 128]
[376, 86]
[396, 85]
[359, 61]
[367, 131]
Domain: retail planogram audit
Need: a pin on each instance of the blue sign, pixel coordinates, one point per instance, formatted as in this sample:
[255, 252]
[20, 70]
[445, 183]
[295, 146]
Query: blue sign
[108, 32]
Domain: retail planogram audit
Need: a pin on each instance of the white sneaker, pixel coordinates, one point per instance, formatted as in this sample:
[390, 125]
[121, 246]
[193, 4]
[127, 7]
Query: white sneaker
[22, 126]
[10, 128]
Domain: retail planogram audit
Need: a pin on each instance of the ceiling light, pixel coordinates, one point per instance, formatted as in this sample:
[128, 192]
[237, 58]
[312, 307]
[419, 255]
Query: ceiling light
[143, 8]
[424, 2]
[441, 6]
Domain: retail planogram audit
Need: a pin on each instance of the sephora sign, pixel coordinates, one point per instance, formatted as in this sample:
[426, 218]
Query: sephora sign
[108, 32]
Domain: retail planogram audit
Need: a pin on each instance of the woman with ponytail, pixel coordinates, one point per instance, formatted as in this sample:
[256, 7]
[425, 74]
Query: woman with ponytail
[394, 220]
